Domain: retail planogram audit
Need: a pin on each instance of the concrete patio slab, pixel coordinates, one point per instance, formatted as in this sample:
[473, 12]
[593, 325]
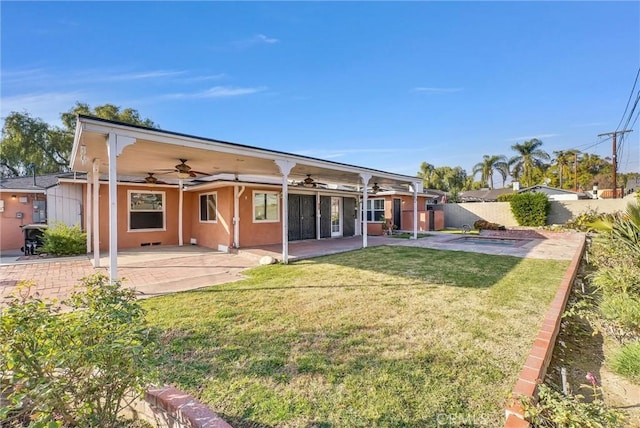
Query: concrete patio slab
[153, 271]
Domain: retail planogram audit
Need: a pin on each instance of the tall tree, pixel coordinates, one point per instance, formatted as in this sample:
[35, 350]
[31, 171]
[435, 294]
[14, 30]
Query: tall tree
[528, 160]
[488, 165]
[443, 178]
[29, 142]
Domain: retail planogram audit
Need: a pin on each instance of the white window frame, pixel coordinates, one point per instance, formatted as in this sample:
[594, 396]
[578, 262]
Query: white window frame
[253, 206]
[164, 211]
[373, 210]
[215, 195]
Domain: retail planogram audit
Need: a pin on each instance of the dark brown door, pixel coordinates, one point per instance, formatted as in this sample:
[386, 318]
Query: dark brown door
[348, 216]
[397, 213]
[302, 217]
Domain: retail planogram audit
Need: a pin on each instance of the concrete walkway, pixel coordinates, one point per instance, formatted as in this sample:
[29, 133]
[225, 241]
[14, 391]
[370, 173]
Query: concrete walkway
[165, 269]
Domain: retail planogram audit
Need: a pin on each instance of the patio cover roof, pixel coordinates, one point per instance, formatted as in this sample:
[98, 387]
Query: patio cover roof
[154, 150]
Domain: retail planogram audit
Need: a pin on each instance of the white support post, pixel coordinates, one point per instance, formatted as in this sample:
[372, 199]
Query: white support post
[88, 211]
[113, 207]
[236, 211]
[285, 168]
[115, 146]
[415, 210]
[180, 215]
[365, 183]
[96, 212]
[318, 214]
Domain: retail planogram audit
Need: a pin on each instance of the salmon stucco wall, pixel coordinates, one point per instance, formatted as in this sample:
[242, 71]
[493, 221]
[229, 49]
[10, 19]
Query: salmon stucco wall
[258, 233]
[133, 239]
[11, 235]
[214, 233]
[406, 221]
[423, 220]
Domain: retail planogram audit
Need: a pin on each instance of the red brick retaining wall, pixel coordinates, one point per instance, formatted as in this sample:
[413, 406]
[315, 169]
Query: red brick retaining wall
[169, 407]
[535, 368]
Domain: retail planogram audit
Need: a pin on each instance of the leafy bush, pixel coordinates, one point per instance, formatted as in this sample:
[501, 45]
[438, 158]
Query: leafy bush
[623, 226]
[618, 279]
[627, 361]
[554, 409]
[506, 197]
[64, 240]
[530, 209]
[583, 221]
[487, 225]
[605, 252]
[623, 309]
[74, 368]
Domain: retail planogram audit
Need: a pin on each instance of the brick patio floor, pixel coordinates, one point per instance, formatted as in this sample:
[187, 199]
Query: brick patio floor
[160, 270]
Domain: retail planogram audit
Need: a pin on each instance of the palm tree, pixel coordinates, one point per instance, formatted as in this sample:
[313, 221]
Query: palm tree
[529, 158]
[565, 159]
[486, 167]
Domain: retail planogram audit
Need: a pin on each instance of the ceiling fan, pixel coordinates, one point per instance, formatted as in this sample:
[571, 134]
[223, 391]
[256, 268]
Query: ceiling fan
[183, 170]
[150, 179]
[375, 188]
[309, 182]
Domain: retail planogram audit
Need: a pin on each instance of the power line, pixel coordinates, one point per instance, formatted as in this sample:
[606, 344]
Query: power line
[614, 160]
[629, 100]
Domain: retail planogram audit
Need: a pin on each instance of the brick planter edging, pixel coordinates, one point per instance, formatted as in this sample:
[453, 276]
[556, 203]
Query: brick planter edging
[171, 408]
[535, 368]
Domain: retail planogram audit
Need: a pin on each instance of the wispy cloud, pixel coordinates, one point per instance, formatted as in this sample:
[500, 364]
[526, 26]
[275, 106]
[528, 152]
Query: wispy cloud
[45, 105]
[436, 90]
[258, 39]
[336, 153]
[588, 125]
[141, 75]
[204, 78]
[24, 76]
[217, 92]
[530, 137]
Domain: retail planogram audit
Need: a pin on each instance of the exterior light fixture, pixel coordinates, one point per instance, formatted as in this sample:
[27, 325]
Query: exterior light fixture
[13, 197]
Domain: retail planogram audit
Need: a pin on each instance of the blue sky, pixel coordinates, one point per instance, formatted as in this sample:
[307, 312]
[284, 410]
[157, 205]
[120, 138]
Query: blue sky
[385, 85]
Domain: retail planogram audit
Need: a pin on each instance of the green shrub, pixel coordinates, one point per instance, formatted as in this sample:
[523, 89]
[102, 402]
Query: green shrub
[623, 226]
[487, 225]
[607, 252]
[554, 409]
[582, 222]
[506, 197]
[623, 310]
[530, 209]
[64, 240]
[618, 279]
[75, 368]
[626, 362]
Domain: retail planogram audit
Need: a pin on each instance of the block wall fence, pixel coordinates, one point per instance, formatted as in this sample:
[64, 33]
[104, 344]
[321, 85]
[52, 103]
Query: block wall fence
[455, 215]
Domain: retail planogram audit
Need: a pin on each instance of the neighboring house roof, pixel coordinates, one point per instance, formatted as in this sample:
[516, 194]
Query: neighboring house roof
[483, 195]
[30, 184]
[551, 191]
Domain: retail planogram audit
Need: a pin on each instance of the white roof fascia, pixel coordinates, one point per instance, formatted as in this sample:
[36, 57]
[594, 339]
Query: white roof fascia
[193, 142]
[23, 190]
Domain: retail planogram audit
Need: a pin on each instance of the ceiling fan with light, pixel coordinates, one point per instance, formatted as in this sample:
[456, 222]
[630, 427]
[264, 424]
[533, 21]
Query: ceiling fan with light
[309, 182]
[150, 179]
[182, 170]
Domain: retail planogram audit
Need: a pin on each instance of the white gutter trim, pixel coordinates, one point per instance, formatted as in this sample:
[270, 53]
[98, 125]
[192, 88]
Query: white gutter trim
[225, 147]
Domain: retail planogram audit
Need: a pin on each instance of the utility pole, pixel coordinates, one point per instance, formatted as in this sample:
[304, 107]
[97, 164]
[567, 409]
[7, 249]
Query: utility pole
[614, 157]
[575, 172]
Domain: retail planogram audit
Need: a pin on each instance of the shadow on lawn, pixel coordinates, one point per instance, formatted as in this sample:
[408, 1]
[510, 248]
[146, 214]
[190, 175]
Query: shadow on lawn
[262, 369]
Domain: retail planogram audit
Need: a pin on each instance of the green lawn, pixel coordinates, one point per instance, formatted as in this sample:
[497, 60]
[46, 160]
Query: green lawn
[386, 336]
